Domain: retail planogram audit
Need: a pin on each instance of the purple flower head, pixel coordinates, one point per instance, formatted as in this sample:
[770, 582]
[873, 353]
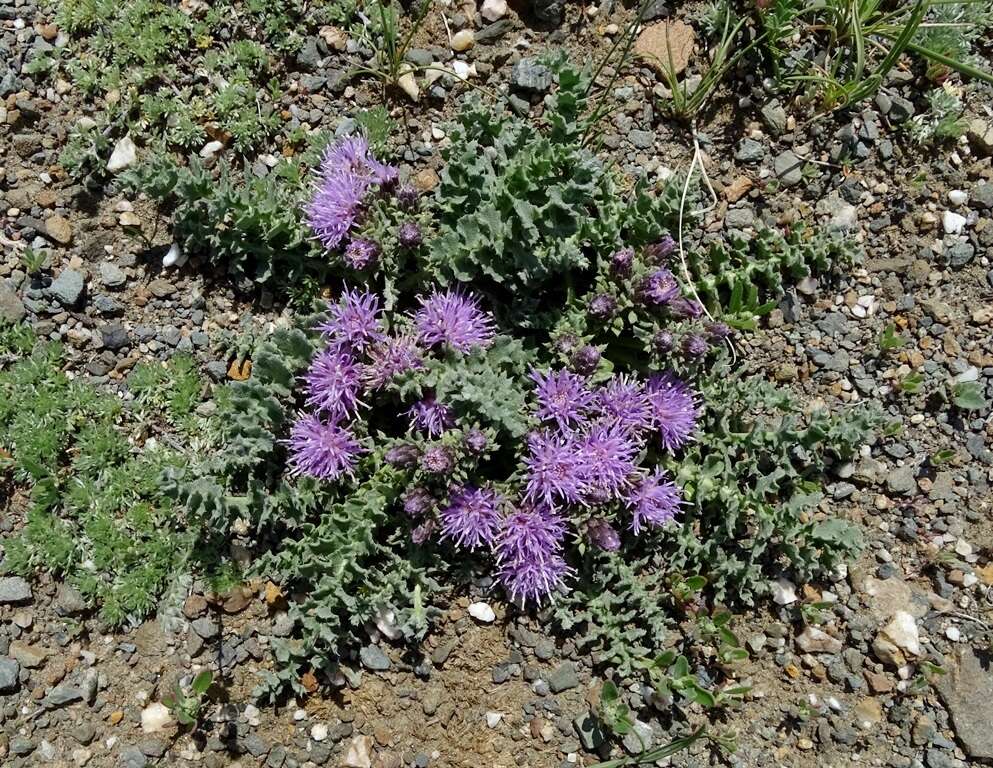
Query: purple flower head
[353, 321]
[417, 501]
[476, 441]
[361, 253]
[685, 309]
[659, 288]
[410, 235]
[408, 197]
[610, 454]
[603, 306]
[528, 551]
[664, 342]
[472, 517]
[654, 501]
[422, 532]
[585, 359]
[562, 397]
[603, 535]
[437, 460]
[567, 343]
[430, 416]
[656, 252]
[389, 358]
[332, 383]
[695, 346]
[675, 411]
[718, 331]
[624, 401]
[353, 156]
[454, 318]
[320, 449]
[621, 261]
[402, 456]
[557, 470]
[335, 208]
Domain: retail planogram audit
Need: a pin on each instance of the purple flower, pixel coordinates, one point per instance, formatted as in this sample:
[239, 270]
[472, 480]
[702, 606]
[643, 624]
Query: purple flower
[562, 397]
[352, 155]
[610, 453]
[437, 460]
[557, 470]
[695, 346]
[625, 402]
[603, 535]
[675, 411]
[335, 208]
[586, 359]
[410, 235]
[659, 288]
[660, 250]
[472, 517]
[664, 342]
[422, 532]
[361, 253]
[402, 455]
[718, 331]
[417, 501]
[654, 501]
[389, 358]
[408, 197]
[476, 441]
[353, 320]
[332, 383]
[621, 261]
[430, 416]
[453, 318]
[528, 551]
[603, 306]
[567, 343]
[320, 449]
[685, 309]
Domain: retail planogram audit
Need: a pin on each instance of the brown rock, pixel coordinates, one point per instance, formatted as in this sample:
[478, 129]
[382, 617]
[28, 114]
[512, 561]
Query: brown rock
[195, 606]
[161, 288]
[240, 371]
[666, 46]
[237, 600]
[867, 713]
[59, 229]
[425, 180]
[738, 188]
[878, 683]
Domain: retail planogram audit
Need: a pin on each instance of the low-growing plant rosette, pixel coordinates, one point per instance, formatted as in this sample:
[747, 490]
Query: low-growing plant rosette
[580, 458]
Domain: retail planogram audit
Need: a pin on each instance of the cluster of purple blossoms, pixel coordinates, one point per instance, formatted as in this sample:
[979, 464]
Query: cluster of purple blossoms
[430, 416]
[321, 449]
[659, 288]
[472, 518]
[347, 172]
[529, 553]
[454, 318]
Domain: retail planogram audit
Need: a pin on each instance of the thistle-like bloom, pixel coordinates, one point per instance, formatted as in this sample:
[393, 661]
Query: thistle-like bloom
[586, 359]
[675, 411]
[685, 309]
[430, 416]
[408, 197]
[472, 517]
[321, 449]
[621, 261]
[654, 501]
[417, 501]
[659, 288]
[389, 358]
[557, 470]
[609, 452]
[529, 556]
[352, 155]
[603, 535]
[656, 252]
[603, 306]
[353, 321]
[664, 342]
[695, 346]
[361, 253]
[422, 532]
[563, 398]
[717, 330]
[332, 383]
[402, 456]
[437, 460]
[454, 318]
[336, 207]
[624, 401]
[410, 235]
[476, 441]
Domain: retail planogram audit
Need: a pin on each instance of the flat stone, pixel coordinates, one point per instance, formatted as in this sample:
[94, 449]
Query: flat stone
[61, 695]
[563, 678]
[530, 75]
[814, 640]
[124, 155]
[967, 690]
[30, 656]
[373, 658]
[132, 757]
[68, 287]
[11, 307]
[59, 229]
[112, 275]
[589, 730]
[666, 46]
[10, 670]
[161, 289]
[14, 590]
[789, 168]
[359, 754]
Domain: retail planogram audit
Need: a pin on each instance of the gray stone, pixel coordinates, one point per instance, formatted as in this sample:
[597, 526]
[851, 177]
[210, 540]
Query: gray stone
[981, 197]
[132, 757]
[11, 307]
[563, 677]
[901, 109]
[967, 691]
[373, 658]
[641, 139]
[749, 151]
[529, 75]
[590, 731]
[774, 116]
[440, 654]
[61, 695]
[115, 336]
[14, 590]
[901, 480]
[638, 739]
[67, 288]
[789, 168]
[548, 11]
[69, 601]
[9, 672]
[112, 275]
